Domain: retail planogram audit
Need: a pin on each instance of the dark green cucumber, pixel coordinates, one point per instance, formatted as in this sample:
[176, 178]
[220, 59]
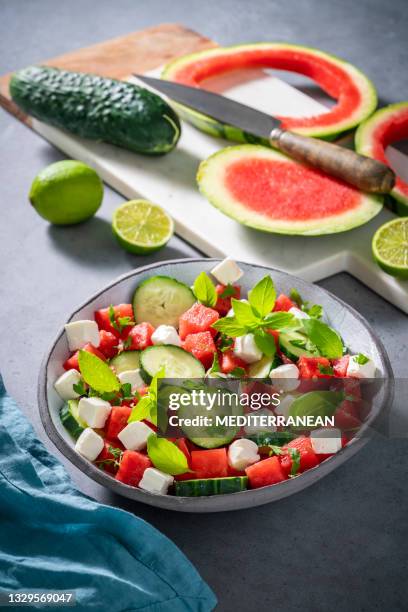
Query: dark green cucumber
[210, 486]
[70, 419]
[276, 438]
[93, 107]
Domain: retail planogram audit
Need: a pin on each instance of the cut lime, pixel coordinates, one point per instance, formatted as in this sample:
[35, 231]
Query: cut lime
[142, 227]
[390, 247]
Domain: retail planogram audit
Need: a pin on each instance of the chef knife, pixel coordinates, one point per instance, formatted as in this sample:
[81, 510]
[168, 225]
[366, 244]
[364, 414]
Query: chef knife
[363, 172]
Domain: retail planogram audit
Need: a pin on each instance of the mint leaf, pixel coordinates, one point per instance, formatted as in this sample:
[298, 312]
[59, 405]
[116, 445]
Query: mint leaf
[229, 291]
[166, 456]
[142, 410]
[79, 388]
[326, 339]
[280, 321]
[112, 318]
[295, 456]
[361, 359]
[275, 450]
[204, 290]
[296, 297]
[215, 365]
[263, 296]
[265, 342]
[315, 311]
[230, 326]
[225, 343]
[126, 390]
[96, 373]
[237, 372]
[244, 313]
[326, 370]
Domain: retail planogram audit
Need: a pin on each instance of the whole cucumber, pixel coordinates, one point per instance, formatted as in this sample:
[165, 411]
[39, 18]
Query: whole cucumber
[91, 106]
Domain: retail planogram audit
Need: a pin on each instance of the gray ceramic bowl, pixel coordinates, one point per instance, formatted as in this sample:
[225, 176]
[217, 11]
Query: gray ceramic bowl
[355, 331]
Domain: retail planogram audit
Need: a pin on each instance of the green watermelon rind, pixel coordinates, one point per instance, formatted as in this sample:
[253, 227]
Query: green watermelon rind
[211, 168]
[364, 145]
[329, 132]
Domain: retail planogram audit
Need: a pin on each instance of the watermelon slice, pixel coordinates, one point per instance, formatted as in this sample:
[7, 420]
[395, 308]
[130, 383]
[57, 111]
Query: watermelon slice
[386, 126]
[268, 191]
[354, 93]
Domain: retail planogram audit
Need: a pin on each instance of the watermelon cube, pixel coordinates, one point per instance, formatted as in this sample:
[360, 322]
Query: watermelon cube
[223, 304]
[117, 420]
[283, 303]
[308, 457]
[202, 346]
[314, 367]
[229, 362]
[210, 463]
[73, 364]
[140, 337]
[266, 472]
[340, 366]
[106, 460]
[197, 319]
[121, 311]
[132, 467]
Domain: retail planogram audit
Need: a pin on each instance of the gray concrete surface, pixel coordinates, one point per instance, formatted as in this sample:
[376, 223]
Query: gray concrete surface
[340, 545]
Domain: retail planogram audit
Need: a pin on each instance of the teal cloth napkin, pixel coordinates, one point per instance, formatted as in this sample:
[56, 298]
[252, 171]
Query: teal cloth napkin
[53, 537]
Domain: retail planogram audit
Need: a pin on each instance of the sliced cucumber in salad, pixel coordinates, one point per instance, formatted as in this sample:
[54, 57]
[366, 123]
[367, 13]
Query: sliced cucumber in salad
[161, 300]
[210, 486]
[70, 419]
[128, 360]
[177, 362]
[295, 345]
[262, 368]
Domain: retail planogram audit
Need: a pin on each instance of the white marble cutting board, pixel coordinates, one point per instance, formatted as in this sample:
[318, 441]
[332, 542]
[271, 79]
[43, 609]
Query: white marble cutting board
[170, 181]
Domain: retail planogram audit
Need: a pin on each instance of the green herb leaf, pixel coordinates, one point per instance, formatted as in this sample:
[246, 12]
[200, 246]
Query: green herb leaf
[96, 373]
[225, 343]
[142, 410]
[316, 404]
[215, 365]
[326, 370]
[80, 388]
[263, 296]
[265, 342]
[230, 326]
[326, 339]
[361, 359]
[126, 390]
[296, 297]
[204, 290]
[166, 456]
[245, 314]
[280, 321]
[274, 450]
[295, 456]
[237, 372]
[108, 396]
[229, 291]
[315, 311]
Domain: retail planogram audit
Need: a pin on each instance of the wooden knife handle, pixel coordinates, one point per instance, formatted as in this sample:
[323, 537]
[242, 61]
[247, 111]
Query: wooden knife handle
[363, 172]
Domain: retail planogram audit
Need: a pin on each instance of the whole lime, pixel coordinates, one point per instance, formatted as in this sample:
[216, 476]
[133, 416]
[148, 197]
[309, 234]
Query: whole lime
[66, 192]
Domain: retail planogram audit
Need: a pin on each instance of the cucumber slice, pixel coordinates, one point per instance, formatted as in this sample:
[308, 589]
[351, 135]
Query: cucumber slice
[292, 351]
[210, 486]
[214, 434]
[161, 300]
[128, 360]
[177, 362]
[261, 368]
[276, 438]
[70, 419]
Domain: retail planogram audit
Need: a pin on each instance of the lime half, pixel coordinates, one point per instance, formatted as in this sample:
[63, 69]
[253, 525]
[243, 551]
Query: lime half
[142, 227]
[390, 247]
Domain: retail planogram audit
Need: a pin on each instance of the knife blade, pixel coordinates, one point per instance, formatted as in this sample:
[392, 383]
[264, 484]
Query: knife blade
[362, 172]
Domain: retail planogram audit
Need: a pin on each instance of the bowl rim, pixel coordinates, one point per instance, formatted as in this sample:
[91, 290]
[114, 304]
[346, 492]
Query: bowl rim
[218, 503]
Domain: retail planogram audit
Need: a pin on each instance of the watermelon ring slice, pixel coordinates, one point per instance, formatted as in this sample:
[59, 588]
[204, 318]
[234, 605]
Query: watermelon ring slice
[268, 191]
[354, 92]
[386, 126]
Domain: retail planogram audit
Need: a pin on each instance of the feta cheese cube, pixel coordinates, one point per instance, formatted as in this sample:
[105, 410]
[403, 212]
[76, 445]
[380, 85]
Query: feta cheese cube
[285, 377]
[80, 333]
[360, 370]
[246, 349]
[94, 411]
[131, 377]
[134, 436]
[242, 453]
[64, 384]
[227, 272]
[166, 334]
[326, 441]
[299, 314]
[256, 426]
[283, 407]
[89, 444]
[155, 481]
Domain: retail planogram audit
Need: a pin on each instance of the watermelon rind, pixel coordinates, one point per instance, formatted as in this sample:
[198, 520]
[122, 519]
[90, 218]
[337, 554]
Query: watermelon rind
[365, 143]
[210, 181]
[206, 124]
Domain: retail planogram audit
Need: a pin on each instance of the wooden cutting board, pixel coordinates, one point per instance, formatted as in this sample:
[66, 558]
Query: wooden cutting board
[170, 180]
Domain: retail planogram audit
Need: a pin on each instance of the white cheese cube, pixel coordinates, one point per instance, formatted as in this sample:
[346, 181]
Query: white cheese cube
[285, 377]
[155, 481]
[283, 407]
[166, 334]
[134, 436]
[242, 453]
[256, 426]
[326, 441]
[89, 444]
[231, 312]
[94, 411]
[246, 349]
[299, 314]
[131, 377]
[360, 370]
[80, 333]
[227, 272]
[64, 384]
